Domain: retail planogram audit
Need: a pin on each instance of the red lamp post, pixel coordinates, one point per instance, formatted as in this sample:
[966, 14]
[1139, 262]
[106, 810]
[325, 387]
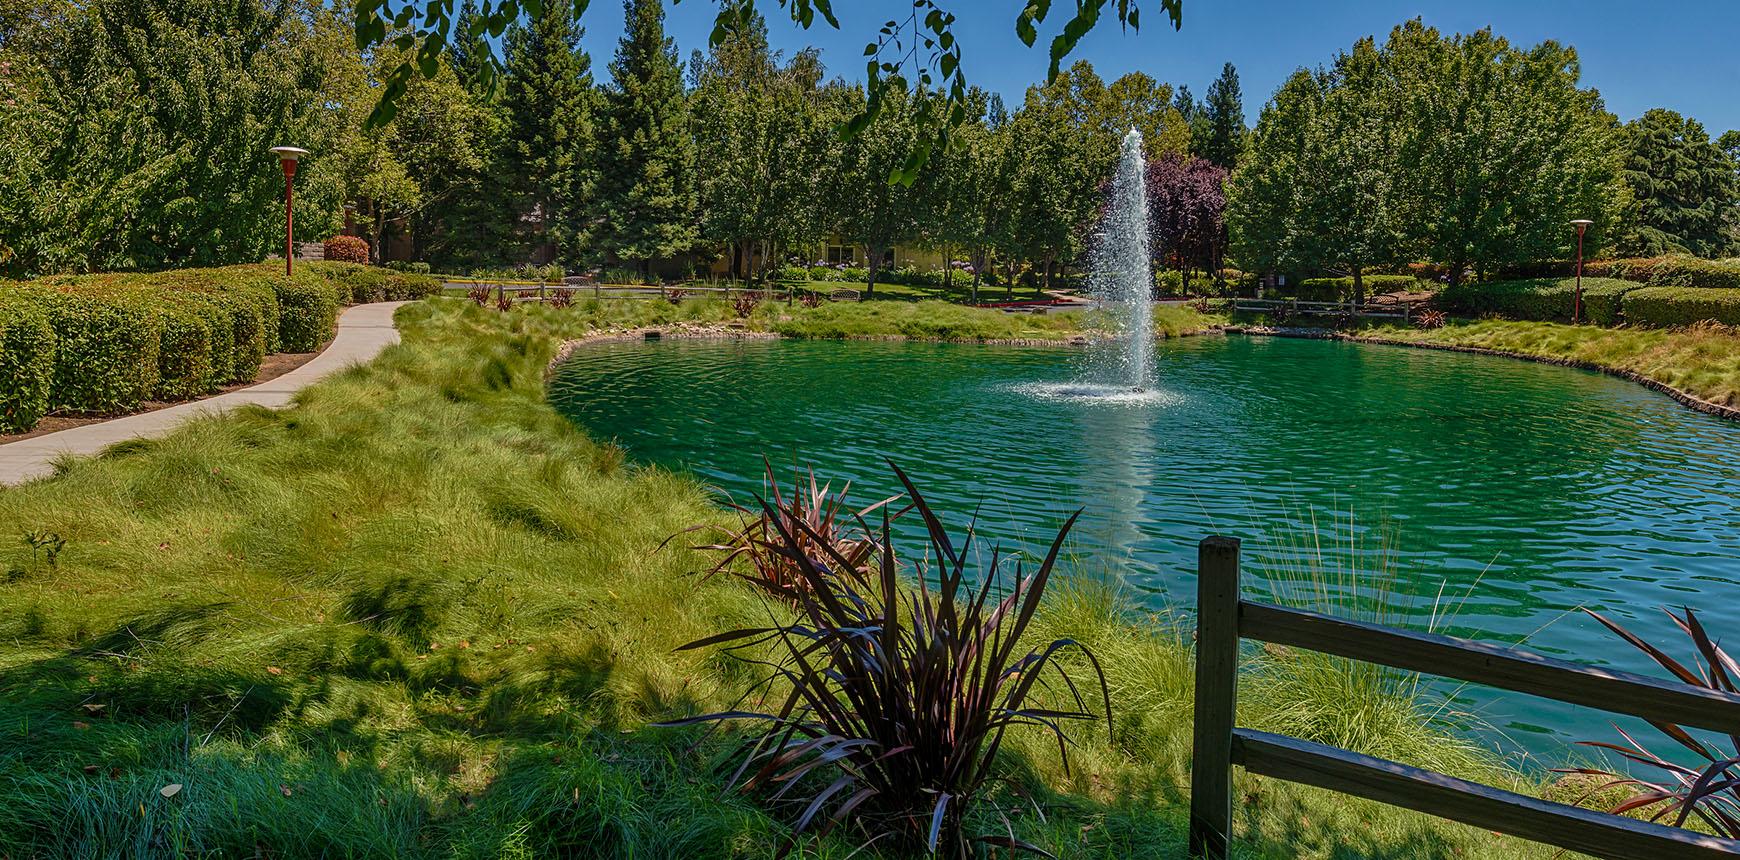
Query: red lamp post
[1582, 225]
[287, 156]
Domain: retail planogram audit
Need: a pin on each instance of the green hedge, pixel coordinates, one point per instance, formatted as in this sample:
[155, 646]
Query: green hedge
[106, 347]
[1339, 289]
[1538, 299]
[1674, 271]
[1667, 306]
[103, 344]
[357, 284]
[26, 363]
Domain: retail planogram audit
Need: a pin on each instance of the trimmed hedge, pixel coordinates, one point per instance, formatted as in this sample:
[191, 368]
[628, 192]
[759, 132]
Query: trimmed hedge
[362, 284]
[103, 344]
[106, 348]
[308, 312]
[26, 363]
[1674, 271]
[1670, 306]
[1538, 299]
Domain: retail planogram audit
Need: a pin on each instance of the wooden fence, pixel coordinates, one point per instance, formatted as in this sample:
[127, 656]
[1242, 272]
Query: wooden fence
[1378, 306]
[1223, 619]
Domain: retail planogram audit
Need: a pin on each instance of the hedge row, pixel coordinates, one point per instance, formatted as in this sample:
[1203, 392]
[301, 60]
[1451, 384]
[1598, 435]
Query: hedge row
[1538, 299]
[1675, 271]
[103, 344]
[26, 363]
[1606, 301]
[359, 284]
[1665, 306]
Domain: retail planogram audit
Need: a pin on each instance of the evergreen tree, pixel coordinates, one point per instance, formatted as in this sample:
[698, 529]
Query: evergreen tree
[1225, 110]
[548, 157]
[1682, 188]
[647, 194]
[471, 56]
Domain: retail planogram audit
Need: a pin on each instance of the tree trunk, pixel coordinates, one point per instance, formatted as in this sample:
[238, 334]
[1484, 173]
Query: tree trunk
[1050, 262]
[737, 259]
[873, 266]
[948, 269]
[1358, 288]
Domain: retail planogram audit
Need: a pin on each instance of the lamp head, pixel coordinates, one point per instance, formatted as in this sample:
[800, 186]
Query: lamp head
[1581, 224]
[288, 153]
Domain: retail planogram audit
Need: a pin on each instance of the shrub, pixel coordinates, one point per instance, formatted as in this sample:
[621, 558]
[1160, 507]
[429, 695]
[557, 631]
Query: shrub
[1666, 306]
[308, 308]
[1710, 787]
[1429, 319]
[903, 692]
[744, 304]
[26, 363]
[676, 296]
[790, 273]
[1541, 299]
[561, 298]
[817, 520]
[410, 286]
[347, 249]
[196, 337]
[106, 348]
[1672, 271]
[857, 274]
[417, 268]
[479, 294]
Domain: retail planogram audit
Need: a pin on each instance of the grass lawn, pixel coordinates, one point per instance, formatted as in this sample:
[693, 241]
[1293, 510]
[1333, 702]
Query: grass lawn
[1703, 361]
[418, 614]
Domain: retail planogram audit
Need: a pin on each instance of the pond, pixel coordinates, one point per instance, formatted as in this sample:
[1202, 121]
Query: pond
[1500, 493]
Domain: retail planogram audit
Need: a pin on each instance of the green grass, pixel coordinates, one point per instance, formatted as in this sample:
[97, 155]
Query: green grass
[418, 614]
[1702, 360]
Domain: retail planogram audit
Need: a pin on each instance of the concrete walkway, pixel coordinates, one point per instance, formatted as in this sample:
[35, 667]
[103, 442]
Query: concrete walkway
[363, 331]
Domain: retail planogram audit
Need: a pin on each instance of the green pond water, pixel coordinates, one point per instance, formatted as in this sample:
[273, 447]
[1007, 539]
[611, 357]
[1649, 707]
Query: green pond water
[1502, 493]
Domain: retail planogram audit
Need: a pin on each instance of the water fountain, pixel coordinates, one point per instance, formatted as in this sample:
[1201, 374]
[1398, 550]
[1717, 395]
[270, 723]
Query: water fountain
[1121, 368]
[1122, 277]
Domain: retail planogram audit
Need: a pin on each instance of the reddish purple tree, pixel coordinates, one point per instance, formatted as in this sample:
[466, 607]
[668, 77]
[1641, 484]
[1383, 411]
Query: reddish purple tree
[1187, 213]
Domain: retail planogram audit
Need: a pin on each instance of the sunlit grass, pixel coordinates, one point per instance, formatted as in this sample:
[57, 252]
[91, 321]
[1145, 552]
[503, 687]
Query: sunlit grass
[1703, 361]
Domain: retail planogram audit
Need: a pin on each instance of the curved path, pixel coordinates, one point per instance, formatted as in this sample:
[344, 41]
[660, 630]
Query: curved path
[363, 331]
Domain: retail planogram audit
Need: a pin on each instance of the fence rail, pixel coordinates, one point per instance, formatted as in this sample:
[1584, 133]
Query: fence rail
[1223, 619]
[1402, 309]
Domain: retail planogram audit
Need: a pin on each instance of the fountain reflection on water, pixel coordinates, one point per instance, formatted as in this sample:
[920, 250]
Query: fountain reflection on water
[1121, 370]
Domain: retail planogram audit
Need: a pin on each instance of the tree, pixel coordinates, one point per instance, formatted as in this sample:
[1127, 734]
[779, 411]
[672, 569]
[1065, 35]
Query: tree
[1138, 101]
[1683, 188]
[646, 192]
[868, 210]
[1061, 157]
[760, 132]
[139, 132]
[424, 29]
[1465, 151]
[1187, 213]
[1500, 149]
[548, 158]
[1225, 112]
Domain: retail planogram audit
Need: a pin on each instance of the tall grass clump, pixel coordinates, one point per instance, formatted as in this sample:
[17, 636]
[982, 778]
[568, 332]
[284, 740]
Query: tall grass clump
[1354, 704]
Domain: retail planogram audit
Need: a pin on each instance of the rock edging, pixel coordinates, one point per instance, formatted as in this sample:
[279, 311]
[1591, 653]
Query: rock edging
[1684, 398]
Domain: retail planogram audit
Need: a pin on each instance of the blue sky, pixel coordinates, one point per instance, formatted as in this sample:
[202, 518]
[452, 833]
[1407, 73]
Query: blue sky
[1679, 54]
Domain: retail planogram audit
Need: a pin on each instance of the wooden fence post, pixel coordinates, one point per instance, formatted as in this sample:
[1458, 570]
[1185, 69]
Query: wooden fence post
[1217, 664]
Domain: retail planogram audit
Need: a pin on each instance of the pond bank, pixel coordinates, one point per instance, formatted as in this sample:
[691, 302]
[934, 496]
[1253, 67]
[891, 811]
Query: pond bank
[1699, 367]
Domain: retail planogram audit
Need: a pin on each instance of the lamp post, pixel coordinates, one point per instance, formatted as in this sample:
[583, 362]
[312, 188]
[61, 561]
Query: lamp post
[287, 156]
[1582, 225]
